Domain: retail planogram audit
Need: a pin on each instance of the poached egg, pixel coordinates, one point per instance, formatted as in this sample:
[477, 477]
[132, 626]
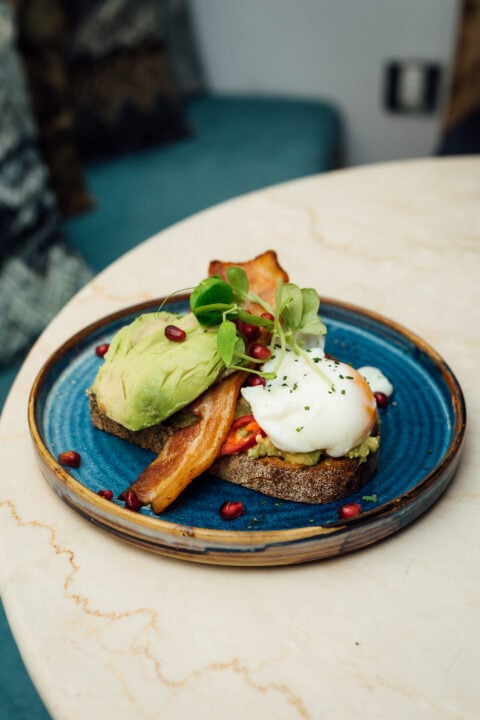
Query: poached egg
[314, 404]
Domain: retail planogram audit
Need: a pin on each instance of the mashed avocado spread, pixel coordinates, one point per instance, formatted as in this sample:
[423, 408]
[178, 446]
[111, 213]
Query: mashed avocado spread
[265, 448]
[146, 378]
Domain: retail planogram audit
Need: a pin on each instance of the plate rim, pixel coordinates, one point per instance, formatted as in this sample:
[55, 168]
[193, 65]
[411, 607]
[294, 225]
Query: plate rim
[216, 538]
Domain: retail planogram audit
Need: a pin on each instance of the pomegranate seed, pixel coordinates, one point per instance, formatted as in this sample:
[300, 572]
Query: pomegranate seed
[174, 333]
[250, 332]
[381, 398]
[70, 458]
[255, 380]
[107, 494]
[259, 351]
[131, 501]
[231, 509]
[102, 349]
[268, 316]
[349, 510]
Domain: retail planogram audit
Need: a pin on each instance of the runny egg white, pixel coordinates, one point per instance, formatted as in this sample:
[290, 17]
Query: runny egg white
[300, 411]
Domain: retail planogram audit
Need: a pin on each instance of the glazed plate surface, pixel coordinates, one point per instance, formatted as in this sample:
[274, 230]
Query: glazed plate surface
[422, 432]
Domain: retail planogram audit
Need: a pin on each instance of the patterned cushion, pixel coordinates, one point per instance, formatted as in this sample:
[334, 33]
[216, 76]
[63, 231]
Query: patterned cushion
[122, 82]
[39, 272]
[106, 77]
[43, 42]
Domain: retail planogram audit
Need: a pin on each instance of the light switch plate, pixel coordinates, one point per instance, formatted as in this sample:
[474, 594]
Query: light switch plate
[411, 86]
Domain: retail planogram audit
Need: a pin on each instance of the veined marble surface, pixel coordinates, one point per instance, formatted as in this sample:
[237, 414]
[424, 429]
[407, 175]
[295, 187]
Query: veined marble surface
[390, 631]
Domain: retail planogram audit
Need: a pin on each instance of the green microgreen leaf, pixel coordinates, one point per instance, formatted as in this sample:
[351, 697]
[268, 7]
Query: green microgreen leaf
[219, 302]
[253, 319]
[311, 304]
[207, 296]
[209, 315]
[228, 342]
[291, 305]
[311, 322]
[237, 277]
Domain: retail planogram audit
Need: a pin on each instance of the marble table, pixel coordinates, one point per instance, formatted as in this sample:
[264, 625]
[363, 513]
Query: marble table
[393, 630]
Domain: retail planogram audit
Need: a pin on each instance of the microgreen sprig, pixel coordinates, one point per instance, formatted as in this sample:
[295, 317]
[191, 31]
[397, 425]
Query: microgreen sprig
[297, 320]
[218, 302]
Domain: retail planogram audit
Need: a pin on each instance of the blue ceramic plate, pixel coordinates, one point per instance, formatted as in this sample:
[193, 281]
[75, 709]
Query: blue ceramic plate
[422, 432]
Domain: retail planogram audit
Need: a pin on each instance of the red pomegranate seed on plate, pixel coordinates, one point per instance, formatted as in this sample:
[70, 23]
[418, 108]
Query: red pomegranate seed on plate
[381, 399]
[102, 349]
[349, 510]
[70, 458]
[231, 509]
[131, 501]
[107, 494]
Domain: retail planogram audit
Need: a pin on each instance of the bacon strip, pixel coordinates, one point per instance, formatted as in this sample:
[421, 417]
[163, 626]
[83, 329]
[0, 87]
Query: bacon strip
[190, 451]
[263, 273]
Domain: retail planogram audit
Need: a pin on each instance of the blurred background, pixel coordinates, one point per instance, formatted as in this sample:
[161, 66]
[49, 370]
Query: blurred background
[121, 117]
[341, 52]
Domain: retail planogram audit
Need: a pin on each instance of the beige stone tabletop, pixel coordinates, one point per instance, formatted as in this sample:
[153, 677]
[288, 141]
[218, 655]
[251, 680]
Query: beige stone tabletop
[391, 631]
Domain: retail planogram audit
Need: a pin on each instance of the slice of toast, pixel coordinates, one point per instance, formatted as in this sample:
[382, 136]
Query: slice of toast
[329, 480]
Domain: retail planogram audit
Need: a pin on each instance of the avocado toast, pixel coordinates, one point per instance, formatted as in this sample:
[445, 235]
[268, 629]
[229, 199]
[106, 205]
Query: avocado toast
[192, 387]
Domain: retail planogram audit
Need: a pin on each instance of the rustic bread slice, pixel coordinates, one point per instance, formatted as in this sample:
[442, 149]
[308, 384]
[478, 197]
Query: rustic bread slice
[151, 438]
[331, 479]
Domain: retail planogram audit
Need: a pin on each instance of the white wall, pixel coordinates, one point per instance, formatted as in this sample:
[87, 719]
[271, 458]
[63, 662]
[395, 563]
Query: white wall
[332, 49]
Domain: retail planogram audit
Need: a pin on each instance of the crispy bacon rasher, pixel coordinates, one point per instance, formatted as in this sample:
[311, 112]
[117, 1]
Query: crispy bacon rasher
[190, 451]
[263, 273]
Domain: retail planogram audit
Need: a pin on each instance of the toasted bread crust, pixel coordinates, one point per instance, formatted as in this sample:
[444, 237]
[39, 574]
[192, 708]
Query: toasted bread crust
[331, 479]
[152, 438]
